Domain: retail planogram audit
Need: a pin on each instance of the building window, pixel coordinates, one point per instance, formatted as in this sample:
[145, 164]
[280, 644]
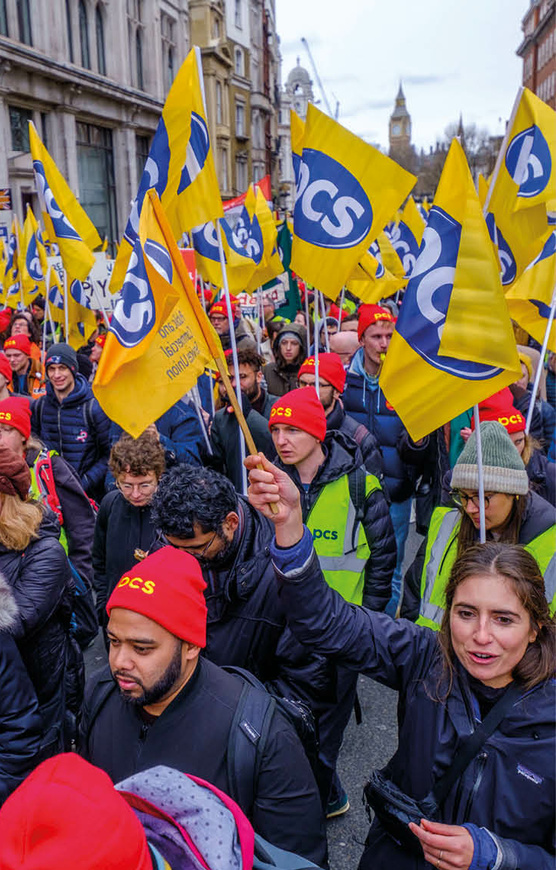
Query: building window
[101, 53]
[84, 35]
[24, 21]
[97, 186]
[69, 28]
[219, 112]
[240, 119]
[223, 153]
[241, 173]
[237, 14]
[215, 26]
[139, 58]
[240, 71]
[142, 148]
[168, 33]
[19, 125]
[3, 19]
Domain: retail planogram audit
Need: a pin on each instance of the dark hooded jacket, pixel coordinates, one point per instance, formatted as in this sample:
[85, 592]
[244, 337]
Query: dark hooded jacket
[342, 456]
[42, 585]
[507, 789]
[281, 377]
[121, 529]
[224, 436]
[79, 430]
[20, 719]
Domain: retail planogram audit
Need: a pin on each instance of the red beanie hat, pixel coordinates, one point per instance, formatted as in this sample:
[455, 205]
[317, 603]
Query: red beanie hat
[19, 342]
[301, 409]
[16, 412]
[222, 309]
[5, 367]
[330, 369]
[101, 339]
[510, 418]
[68, 814]
[167, 587]
[370, 314]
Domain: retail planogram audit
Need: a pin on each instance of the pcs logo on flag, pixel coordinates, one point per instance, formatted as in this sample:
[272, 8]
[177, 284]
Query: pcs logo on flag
[428, 296]
[528, 161]
[507, 259]
[322, 216]
[62, 227]
[135, 312]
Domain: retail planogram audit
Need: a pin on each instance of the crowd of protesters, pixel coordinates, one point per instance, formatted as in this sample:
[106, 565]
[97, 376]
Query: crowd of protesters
[239, 599]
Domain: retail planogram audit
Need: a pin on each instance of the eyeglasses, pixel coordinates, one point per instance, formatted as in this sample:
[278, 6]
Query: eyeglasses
[144, 488]
[462, 499]
[194, 551]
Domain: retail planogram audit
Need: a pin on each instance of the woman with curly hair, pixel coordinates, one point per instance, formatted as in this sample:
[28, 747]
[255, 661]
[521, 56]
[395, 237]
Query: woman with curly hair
[124, 532]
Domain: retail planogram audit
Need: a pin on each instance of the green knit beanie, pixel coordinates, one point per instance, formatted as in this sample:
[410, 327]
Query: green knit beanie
[503, 468]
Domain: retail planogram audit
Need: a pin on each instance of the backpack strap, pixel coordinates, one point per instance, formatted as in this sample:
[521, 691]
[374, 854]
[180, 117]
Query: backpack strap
[248, 738]
[358, 494]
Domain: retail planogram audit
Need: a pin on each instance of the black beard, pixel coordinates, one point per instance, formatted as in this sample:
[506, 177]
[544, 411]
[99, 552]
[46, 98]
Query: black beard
[215, 563]
[161, 687]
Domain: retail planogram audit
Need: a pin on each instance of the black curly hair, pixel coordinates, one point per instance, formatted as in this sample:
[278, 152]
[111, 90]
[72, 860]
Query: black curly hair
[189, 495]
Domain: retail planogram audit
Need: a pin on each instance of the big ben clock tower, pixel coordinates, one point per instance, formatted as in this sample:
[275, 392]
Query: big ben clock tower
[399, 132]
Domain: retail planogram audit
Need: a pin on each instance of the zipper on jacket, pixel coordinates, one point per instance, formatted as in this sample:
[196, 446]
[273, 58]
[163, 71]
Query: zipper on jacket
[60, 431]
[480, 769]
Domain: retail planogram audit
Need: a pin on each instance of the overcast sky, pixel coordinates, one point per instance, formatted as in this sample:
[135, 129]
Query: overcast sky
[452, 56]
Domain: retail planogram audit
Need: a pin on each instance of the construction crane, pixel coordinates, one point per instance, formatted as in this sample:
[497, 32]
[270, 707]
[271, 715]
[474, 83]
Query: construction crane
[319, 83]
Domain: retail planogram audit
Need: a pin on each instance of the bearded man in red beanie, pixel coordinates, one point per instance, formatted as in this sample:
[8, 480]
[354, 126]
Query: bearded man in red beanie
[160, 702]
[345, 510]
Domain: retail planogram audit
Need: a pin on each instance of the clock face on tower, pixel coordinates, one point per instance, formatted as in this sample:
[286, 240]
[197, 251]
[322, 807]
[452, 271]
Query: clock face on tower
[396, 129]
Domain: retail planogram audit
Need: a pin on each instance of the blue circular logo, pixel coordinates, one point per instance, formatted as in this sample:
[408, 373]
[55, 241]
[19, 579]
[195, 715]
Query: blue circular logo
[427, 297]
[529, 162]
[196, 153]
[375, 251]
[155, 174]
[205, 242]
[331, 208]
[62, 227]
[508, 266]
[135, 312]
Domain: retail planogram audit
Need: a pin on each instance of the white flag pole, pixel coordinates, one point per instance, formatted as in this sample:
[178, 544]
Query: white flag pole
[316, 335]
[234, 351]
[482, 521]
[66, 312]
[501, 153]
[538, 373]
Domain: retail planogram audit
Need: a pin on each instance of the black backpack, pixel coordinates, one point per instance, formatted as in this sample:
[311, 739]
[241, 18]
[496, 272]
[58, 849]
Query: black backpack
[249, 733]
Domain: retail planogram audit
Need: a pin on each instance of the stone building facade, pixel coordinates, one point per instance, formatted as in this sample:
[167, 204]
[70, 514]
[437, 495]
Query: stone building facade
[93, 76]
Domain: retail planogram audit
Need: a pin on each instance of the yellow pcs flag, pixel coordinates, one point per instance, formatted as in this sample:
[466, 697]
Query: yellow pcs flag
[160, 339]
[347, 191]
[65, 220]
[453, 345]
[271, 265]
[297, 131]
[523, 183]
[180, 165]
[532, 296]
[34, 264]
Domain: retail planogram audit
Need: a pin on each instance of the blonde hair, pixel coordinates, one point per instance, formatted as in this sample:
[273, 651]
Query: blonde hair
[19, 521]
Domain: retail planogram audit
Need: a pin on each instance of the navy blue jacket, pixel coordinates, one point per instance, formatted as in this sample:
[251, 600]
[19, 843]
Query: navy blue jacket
[180, 434]
[509, 787]
[78, 429]
[403, 461]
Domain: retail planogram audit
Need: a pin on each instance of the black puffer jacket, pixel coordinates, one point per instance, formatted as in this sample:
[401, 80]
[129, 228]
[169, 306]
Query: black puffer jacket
[20, 719]
[342, 456]
[368, 445]
[41, 581]
[120, 530]
[281, 377]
